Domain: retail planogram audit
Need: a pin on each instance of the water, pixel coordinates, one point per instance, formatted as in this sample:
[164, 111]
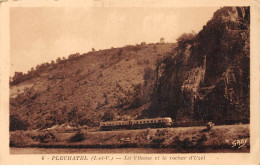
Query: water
[114, 150]
[87, 150]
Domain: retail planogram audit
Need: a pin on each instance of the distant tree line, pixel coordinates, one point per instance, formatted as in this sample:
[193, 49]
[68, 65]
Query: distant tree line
[35, 72]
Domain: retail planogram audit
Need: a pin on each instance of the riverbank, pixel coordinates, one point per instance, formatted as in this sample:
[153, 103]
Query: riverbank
[188, 139]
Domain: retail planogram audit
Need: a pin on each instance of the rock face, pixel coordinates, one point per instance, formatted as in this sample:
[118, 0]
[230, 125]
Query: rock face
[207, 76]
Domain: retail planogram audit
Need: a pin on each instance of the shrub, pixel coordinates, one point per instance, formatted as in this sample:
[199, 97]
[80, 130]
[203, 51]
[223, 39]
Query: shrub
[120, 52]
[108, 116]
[79, 136]
[185, 38]
[17, 123]
[210, 125]
[44, 137]
[162, 40]
[20, 139]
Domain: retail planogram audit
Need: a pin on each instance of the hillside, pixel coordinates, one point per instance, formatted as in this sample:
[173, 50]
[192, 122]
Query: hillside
[85, 89]
[203, 77]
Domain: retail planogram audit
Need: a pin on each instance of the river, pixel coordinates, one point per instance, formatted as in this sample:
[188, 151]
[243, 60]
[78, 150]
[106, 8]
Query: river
[87, 150]
[14, 150]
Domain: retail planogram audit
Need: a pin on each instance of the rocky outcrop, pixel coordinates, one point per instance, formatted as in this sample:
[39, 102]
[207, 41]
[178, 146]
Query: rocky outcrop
[207, 77]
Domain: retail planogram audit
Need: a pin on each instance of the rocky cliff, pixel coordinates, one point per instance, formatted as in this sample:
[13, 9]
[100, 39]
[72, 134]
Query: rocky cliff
[207, 76]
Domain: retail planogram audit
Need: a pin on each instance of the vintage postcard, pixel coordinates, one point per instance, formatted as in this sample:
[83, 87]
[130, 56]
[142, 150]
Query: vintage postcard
[129, 82]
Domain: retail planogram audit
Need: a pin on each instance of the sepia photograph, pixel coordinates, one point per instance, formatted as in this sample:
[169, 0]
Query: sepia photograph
[129, 80]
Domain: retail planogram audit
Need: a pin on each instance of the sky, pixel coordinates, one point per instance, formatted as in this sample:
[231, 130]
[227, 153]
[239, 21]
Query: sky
[39, 35]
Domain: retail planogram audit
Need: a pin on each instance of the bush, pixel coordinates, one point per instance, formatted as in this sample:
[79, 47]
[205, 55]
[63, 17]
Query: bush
[210, 125]
[162, 40]
[20, 139]
[17, 123]
[44, 137]
[108, 116]
[79, 136]
[185, 38]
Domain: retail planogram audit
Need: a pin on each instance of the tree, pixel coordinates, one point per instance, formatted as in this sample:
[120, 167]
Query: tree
[18, 77]
[108, 116]
[37, 67]
[162, 40]
[72, 114]
[52, 62]
[185, 38]
[120, 52]
[17, 123]
[73, 56]
[75, 115]
[58, 60]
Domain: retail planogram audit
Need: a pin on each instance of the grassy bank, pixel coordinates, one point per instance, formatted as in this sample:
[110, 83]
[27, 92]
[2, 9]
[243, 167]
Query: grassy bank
[187, 138]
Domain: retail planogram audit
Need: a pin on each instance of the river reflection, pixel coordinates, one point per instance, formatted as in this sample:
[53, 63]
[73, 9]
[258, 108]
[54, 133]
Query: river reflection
[113, 150]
